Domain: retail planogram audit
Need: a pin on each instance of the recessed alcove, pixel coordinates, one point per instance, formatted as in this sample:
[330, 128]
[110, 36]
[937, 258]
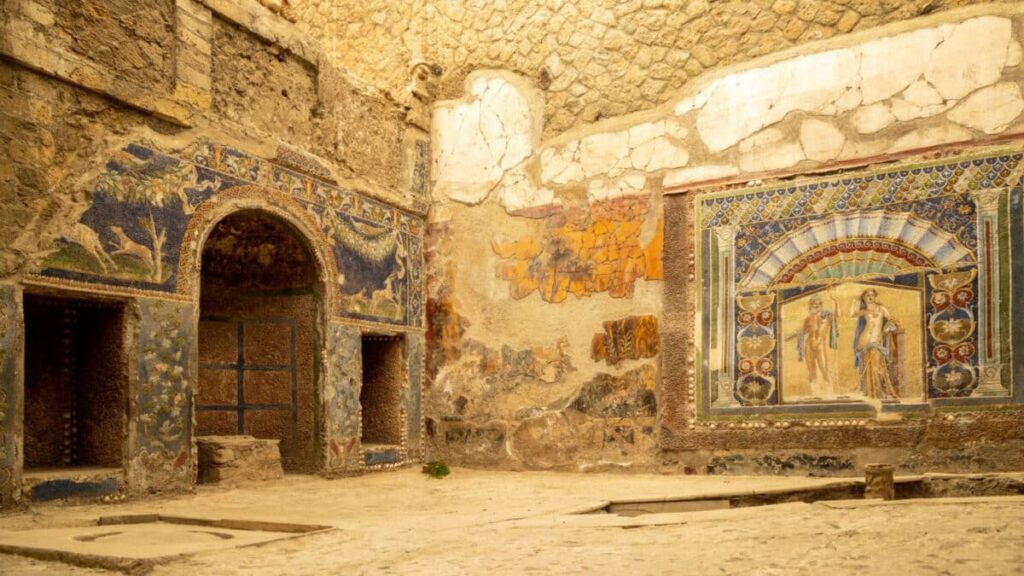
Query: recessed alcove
[381, 395]
[76, 382]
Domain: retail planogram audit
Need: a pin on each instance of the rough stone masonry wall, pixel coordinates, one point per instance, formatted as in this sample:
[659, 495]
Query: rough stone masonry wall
[592, 58]
[546, 266]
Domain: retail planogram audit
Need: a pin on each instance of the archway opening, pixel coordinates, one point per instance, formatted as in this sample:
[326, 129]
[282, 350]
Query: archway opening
[259, 336]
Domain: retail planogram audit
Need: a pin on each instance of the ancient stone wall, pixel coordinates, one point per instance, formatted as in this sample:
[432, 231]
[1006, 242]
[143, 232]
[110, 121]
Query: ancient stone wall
[592, 58]
[582, 282]
[128, 131]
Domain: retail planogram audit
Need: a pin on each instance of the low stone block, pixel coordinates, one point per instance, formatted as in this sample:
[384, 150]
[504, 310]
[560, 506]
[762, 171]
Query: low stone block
[238, 458]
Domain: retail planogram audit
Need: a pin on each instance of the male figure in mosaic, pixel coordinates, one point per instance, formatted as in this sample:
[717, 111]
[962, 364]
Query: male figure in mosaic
[818, 334]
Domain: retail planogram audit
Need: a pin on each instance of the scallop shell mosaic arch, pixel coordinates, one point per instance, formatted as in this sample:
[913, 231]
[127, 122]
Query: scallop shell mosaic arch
[887, 290]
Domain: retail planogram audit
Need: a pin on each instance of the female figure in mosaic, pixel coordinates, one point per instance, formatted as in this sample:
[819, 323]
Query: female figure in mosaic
[874, 347]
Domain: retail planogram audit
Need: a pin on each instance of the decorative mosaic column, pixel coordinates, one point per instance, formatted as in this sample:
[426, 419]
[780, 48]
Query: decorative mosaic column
[12, 394]
[989, 364]
[726, 236]
[162, 457]
[341, 414]
[414, 356]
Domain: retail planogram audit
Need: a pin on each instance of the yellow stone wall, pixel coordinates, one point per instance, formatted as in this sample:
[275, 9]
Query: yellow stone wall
[593, 58]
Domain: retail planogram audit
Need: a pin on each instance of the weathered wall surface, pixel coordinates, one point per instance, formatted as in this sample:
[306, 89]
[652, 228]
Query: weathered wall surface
[593, 58]
[556, 264]
[125, 129]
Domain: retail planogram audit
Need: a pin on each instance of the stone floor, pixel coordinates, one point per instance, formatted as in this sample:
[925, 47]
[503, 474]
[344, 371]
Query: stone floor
[476, 522]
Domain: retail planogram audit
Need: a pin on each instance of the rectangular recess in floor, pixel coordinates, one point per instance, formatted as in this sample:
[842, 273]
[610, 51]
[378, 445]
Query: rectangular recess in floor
[138, 542]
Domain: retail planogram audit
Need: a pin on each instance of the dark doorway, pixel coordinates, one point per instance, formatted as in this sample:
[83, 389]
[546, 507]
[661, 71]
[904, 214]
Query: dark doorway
[76, 381]
[258, 336]
[380, 398]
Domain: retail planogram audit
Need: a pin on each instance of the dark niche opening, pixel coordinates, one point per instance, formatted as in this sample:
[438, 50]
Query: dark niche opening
[76, 382]
[258, 336]
[380, 398]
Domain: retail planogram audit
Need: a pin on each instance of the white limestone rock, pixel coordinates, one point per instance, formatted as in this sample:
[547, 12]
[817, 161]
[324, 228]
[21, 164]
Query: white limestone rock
[990, 109]
[821, 141]
[971, 56]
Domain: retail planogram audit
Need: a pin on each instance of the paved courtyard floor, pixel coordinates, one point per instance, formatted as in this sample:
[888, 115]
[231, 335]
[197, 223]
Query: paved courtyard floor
[477, 522]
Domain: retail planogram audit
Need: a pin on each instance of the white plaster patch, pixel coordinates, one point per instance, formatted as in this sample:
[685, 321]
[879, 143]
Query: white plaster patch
[697, 101]
[1013, 54]
[848, 101]
[559, 165]
[820, 140]
[921, 93]
[863, 148]
[871, 119]
[767, 150]
[762, 139]
[675, 129]
[518, 192]
[643, 133]
[600, 152]
[629, 185]
[888, 65]
[972, 56]
[478, 140]
[747, 101]
[905, 111]
[665, 154]
[929, 136]
[698, 174]
[990, 109]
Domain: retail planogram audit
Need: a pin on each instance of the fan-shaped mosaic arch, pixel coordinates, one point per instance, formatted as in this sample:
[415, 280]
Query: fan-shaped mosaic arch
[897, 299]
[858, 245]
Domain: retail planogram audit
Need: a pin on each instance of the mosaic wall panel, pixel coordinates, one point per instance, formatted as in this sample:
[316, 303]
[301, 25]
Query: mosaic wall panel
[341, 398]
[883, 289]
[132, 234]
[164, 396]
[10, 395]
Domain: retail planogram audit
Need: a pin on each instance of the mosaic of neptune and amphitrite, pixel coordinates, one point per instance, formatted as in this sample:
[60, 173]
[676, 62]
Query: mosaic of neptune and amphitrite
[131, 236]
[885, 288]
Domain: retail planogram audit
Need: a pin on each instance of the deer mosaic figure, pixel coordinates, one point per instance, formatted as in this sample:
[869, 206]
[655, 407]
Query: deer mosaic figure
[88, 239]
[128, 246]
